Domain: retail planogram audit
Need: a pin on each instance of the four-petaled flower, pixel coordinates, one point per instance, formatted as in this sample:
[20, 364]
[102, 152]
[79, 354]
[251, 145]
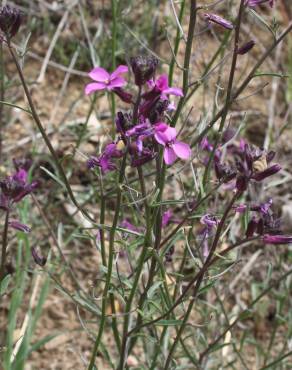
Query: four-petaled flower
[104, 80]
[166, 136]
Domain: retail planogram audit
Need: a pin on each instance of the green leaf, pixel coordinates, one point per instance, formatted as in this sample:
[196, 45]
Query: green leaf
[263, 22]
[4, 284]
[169, 322]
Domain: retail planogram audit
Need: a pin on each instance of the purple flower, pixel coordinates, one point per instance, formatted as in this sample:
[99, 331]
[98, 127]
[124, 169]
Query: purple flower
[218, 20]
[253, 3]
[161, 86]
[19, 226]
[246, 47]
[263, 208]
[168, 218]
[14, 188]
[277, 239]
[254, 164]
[125, 224]
[104, 161]
[105, 80]
[209, 221]
[166, 136]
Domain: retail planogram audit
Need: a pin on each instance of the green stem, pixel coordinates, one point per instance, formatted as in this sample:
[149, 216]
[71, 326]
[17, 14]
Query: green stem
[200, 279]
[2, 97]
[110, 262]
[4, 246]
[187, 59]
[176, 45]
[45, 136]
[241, 88]
[229, 93]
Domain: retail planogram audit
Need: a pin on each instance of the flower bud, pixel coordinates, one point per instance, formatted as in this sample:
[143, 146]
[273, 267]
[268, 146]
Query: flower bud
[246, 47]
[251, 228]
[10, 21]
[39, 260]
[143, 68]
[218, 20]
[277, 239]
[123, 95]
[241, 183]
[19, 226]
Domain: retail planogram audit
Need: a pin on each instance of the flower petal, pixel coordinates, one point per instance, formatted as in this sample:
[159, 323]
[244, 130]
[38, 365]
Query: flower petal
[173, 91]
[117, 82]
[162, 83]
[169, 155]
[170, 133]
[94, 86]
[121, 69]
[182, 150]
[99, 74]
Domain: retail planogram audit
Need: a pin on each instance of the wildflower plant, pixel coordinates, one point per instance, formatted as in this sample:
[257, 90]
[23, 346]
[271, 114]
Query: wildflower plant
[161, 256]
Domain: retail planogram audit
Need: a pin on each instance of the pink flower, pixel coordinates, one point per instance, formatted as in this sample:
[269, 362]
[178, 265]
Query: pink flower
[161, 86]
[166, 136]
[105, 80]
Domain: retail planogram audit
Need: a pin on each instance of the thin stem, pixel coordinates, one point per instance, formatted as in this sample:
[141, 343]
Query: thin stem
[242, 314]
[53, 235]
[2, 96]
[4, 246]
[176, 44]
[242, 86]
[228, 94]
[187, 59]
[45, 136]
[200, 278]
[110, 262]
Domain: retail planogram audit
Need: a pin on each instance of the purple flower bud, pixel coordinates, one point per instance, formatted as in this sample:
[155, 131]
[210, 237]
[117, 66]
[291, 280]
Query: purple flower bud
[241, 183]
[39, 260]
[143, 68]
[19, 226]
[253, 3]
[259, 176]
[16, 187]
[228, 134]
[246, 47]
[277, 239]
[123, 95]
[10, 21]
[169, 254]
[251, 228]
[218, 20]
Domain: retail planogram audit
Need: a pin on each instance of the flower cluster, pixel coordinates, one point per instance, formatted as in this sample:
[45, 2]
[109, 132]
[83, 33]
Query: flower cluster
[13, 189]
[10, 21]
[142, 130]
